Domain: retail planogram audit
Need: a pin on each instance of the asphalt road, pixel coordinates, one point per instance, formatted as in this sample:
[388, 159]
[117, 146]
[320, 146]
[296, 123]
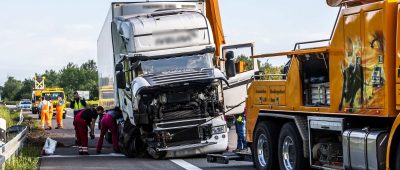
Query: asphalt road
[67, 157]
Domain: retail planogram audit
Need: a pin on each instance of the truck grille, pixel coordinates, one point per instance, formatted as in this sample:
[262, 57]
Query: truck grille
[184, 136]
[182, 114]
[179, 77]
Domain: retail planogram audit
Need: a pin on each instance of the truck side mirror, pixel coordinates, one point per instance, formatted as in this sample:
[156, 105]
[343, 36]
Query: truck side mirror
[230, 64]
[119, 67]
[121, 83]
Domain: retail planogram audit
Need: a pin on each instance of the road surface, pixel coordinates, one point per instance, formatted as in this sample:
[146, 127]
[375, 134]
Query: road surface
[67, 157]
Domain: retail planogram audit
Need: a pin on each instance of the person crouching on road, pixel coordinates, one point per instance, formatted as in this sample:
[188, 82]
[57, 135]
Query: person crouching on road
[108, 122]
[59, 112]
[44, 106]
[82, 120]
[240, 124]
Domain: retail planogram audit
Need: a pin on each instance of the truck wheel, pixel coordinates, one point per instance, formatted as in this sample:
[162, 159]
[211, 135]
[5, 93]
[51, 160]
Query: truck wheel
[132, 145]
[290, 148]
[264, 146]
[397, 159]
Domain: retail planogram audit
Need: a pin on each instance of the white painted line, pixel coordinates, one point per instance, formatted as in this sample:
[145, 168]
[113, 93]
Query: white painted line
[184, 164]
[77, 156]
[69, 116]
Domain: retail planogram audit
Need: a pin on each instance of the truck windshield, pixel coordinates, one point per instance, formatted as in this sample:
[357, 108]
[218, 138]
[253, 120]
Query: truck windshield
[177, 64]
[53, 95]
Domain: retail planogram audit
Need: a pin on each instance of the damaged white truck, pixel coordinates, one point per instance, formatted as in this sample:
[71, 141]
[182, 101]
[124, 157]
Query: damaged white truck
[158, 57]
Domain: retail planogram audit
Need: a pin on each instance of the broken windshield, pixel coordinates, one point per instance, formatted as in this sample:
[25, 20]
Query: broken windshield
[177, 64]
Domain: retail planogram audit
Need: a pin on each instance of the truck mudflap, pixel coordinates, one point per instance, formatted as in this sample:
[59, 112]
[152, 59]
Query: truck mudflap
[176, 148]
[225, 157]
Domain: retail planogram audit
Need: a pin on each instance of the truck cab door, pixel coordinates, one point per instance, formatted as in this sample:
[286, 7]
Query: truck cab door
[239, 69]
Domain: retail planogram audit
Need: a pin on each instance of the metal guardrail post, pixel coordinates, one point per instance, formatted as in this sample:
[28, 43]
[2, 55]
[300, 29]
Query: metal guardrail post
[3, 128]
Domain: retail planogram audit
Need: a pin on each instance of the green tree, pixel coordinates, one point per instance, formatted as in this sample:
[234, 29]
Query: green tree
[52, 78]
[89, 71]
[11, 88]
[70, 79]
[26, 89]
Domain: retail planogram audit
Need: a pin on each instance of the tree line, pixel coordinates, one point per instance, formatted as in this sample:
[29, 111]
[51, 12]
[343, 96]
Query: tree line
[72, 77]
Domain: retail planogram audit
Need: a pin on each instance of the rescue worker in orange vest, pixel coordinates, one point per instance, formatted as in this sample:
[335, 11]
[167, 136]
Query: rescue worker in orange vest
[44, 106]
[59, 112]
[83, 119]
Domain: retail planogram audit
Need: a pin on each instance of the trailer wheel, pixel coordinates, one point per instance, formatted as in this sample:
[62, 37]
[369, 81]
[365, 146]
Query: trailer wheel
[397, 159]
[290, 148]
[264, 146]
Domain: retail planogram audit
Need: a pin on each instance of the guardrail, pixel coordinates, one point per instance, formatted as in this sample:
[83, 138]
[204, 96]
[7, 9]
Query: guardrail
[14, 145]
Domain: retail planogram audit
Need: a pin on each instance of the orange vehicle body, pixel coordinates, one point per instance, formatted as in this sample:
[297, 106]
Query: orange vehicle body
[363, 59]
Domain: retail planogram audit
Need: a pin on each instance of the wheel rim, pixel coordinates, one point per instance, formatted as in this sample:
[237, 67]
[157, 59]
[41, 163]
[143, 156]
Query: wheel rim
[262, 150]
[288, 153]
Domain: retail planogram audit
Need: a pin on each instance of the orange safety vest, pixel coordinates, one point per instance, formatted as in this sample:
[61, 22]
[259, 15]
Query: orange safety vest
[45, 106]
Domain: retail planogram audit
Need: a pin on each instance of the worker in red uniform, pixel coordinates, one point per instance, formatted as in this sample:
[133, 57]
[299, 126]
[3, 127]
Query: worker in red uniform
[83, 119]
[108, 122]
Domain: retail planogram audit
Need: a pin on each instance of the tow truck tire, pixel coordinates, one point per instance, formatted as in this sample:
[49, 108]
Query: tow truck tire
[290, 148]
[397, 159]
[264, 146]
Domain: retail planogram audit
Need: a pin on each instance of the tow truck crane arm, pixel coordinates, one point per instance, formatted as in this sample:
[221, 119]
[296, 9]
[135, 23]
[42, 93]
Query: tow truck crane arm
[213, 15]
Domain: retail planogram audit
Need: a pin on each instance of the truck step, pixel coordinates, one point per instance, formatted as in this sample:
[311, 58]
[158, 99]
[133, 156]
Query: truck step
[227, 156]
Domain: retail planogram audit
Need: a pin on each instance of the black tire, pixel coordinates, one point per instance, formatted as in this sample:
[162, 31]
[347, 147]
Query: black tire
[397, 159]
[132, 145]
[289, 134]
[266, 160]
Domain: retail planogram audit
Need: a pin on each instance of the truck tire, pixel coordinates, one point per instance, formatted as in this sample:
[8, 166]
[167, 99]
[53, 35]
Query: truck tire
[290, 148]
[397, 159]
[132, 145]
[264, 146]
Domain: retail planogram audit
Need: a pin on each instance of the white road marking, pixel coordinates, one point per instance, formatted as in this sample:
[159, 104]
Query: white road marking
[76, 156]
[184, 164]
[69, 116]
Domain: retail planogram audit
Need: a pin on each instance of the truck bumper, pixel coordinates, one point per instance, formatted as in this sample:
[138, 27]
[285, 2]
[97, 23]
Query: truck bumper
[217, 143]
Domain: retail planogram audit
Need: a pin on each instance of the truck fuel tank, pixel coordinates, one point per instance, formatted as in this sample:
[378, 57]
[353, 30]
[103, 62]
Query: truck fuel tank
[364, 149]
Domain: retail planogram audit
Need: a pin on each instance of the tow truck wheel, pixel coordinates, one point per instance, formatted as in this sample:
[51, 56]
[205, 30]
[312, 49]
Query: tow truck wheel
[397, 160]
[290, 148]
[264, 146]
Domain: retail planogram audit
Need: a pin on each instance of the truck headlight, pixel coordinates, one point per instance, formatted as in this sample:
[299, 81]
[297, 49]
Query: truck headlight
[218, 129]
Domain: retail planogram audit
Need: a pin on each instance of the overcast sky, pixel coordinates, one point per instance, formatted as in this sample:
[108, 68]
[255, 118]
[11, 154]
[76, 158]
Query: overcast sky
[47, 34]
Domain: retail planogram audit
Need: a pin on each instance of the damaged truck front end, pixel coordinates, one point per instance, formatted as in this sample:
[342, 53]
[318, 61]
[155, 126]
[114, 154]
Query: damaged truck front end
[177, 106]
[167, 85]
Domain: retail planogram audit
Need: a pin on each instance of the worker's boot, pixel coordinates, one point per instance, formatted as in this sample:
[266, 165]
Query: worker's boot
[59, 126]
[48, 128]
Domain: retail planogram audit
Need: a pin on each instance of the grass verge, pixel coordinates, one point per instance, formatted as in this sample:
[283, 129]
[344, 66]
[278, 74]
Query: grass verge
[29, 156]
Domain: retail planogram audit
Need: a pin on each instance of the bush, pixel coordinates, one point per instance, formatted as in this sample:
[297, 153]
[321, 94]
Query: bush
[11, 117]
